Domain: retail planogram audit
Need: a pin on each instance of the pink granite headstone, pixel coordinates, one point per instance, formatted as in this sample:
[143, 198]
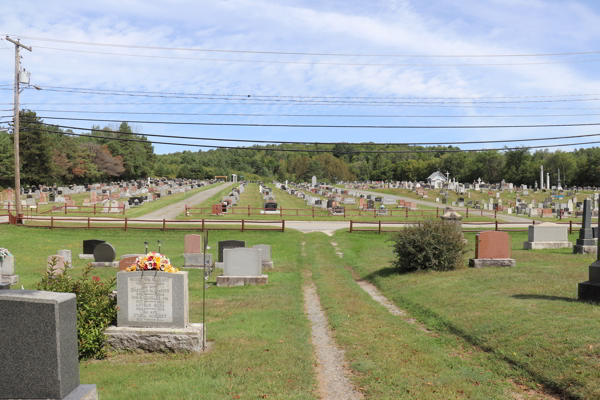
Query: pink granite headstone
[60, 263]
[193, 244]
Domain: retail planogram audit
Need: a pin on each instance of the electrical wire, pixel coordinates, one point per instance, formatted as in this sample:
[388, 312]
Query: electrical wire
[332, 126]
[295, 53]
[329, 143]
[338, 102]
[326, 151]
[315, 63]
[318, 97]
[315, 115]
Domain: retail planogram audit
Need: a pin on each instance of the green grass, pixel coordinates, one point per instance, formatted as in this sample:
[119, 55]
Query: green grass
[295, 208]
[146, 208]
[260, 338]
[525, 316]
[494, 333]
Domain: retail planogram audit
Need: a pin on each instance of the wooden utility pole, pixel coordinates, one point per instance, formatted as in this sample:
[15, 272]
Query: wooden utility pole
[18, 45]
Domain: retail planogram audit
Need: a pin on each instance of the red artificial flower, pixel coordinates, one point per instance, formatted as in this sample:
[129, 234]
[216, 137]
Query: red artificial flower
[96, 278]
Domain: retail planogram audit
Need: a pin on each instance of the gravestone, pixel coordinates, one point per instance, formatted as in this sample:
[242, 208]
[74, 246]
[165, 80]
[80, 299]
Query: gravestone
[193, 244]
[153, 313]
[126, 262]
[104, 256]
[39, 351]
[229, 244]
[590, 290]
[66, 254]
[265, 255]
[492, 249]
[547, 236]
[241, 267]
[88, 248]
[586, 242]
[7, 271]
[59, 264]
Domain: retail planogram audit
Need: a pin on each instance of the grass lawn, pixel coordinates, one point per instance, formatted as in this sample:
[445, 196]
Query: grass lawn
[294, 208]
[148, 207]
[492, 333]
[261, 343]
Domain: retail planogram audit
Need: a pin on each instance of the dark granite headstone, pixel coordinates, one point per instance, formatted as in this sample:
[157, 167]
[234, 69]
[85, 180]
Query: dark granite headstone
[39, 351]
[229, 244]
[90, 245]
[272, 206]
[104, 252]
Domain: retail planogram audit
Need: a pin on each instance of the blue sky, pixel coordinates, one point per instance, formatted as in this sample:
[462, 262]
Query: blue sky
[389, 27]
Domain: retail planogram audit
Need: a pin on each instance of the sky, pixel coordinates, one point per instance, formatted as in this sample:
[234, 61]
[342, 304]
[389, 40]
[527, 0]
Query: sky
[355, 63]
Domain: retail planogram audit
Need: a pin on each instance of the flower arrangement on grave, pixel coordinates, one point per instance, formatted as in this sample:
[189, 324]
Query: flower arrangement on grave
[4, 253]
[152, 262]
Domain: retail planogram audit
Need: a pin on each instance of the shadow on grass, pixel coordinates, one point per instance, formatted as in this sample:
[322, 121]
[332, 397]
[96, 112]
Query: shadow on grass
[544, 297]
[389, 271]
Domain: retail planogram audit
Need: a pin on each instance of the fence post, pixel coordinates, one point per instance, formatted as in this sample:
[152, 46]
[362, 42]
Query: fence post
[467, 212]
[406, 209]
[51, 222]
[570, 226]
[496, 224]
[66, 208]
[125, 224]
[94, 208]
[350, 226]
[313, 210]
[281, 210]
[88, 223]
[202, 225]
[437, 212]
[379, 226]
[248, 209]
[123, 208]
[374, 213]
[242, 225]
[344, 212]
[164, 224]
[495, 214]
[283, 225]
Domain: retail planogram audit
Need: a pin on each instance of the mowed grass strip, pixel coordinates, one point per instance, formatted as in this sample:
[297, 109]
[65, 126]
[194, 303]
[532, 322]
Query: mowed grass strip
[259, 336]
[527, 316]
[392, 358]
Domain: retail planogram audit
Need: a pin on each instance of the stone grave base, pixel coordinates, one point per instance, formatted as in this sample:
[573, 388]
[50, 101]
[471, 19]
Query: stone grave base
[83, 392]
[99, 264]
[270, 212]
[491, 262]
[242, 280]
[589, 291]
[578, 249]
[10, 279]
[163, 340]
[196, 260]
[546, 245]
[86, 256]
[267, 264]
[219, 265]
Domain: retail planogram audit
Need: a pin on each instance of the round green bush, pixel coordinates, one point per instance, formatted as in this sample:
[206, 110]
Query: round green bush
[431, 245]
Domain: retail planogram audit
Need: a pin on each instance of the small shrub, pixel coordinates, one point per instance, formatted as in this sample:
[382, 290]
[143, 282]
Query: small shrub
[96, 307]
[430, 245]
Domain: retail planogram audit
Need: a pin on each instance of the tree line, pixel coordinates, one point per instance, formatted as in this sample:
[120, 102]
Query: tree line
[50, 156]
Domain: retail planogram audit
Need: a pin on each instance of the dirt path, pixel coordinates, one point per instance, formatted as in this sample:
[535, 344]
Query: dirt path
[331, 368]
[173, 210]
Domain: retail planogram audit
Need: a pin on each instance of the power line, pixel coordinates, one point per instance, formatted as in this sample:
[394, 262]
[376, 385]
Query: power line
[317, 115]
[329, 143]
[326, 151]
[331, 126]
[314, 63]
[298, 53]
[340, 102]
[316, 97]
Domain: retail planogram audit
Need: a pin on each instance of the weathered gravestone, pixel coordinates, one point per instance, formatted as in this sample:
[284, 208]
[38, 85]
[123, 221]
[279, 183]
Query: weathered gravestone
[265, 254]
[492, 249]
[153, 313]
[104, 256]
[586, 242]
[39, 346]
[242, 266]
[66, 254]
[7, 271]
[547, 236]
[194, 252]
[88, 248]
[590, 290]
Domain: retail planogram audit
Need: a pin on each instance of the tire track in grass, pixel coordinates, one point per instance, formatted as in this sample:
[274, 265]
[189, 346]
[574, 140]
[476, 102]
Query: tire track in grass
[331, 368]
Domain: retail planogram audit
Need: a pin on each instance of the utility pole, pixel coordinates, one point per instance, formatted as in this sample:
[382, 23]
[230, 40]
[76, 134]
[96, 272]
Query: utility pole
[18, 45]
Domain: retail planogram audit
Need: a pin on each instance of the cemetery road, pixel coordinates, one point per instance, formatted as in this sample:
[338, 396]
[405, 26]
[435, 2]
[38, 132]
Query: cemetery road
[173, 210]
